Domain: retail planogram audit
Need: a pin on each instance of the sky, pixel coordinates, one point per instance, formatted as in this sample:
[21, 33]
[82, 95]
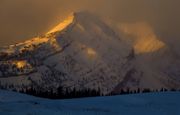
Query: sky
[24, 19]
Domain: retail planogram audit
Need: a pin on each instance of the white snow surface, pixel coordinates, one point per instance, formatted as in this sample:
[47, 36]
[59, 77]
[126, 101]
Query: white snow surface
[137, 104]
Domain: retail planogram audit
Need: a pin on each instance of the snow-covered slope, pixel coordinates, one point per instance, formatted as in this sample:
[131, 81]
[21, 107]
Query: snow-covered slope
[155, 64]
[142, 104]
[84, 52]
[81, 52]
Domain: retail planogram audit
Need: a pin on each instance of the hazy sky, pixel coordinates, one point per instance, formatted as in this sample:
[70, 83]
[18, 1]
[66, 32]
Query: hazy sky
[23, 19]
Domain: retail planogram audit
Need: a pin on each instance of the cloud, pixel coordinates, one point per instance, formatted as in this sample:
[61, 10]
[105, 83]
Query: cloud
[142, 37]
[22, 19]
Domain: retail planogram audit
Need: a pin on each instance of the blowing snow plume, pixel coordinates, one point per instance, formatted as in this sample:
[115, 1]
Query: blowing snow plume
[142, 36]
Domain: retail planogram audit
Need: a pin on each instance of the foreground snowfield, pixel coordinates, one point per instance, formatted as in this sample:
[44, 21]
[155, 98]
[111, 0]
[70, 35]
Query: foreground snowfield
[139, 104]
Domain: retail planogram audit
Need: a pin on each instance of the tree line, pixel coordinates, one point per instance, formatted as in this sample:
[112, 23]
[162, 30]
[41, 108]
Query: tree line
[66, 93]
[61, 93]
[137, 91]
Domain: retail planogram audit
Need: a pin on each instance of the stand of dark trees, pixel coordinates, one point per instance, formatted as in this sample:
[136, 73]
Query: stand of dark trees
[146, 90]
[62, 94]
[69, 94]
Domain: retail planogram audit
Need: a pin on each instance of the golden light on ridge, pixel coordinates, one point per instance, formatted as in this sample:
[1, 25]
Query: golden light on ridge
[63, 24]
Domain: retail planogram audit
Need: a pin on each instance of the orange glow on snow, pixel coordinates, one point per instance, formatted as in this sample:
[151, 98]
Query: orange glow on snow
[148, 45]
[144, 38]
[21, 64]
[62, 25]
[91, 52]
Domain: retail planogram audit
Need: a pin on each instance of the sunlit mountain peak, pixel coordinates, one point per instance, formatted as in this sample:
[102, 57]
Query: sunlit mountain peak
[63, 25]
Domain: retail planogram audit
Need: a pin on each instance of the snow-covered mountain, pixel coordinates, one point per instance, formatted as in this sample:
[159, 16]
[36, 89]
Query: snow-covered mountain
[84, 52]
